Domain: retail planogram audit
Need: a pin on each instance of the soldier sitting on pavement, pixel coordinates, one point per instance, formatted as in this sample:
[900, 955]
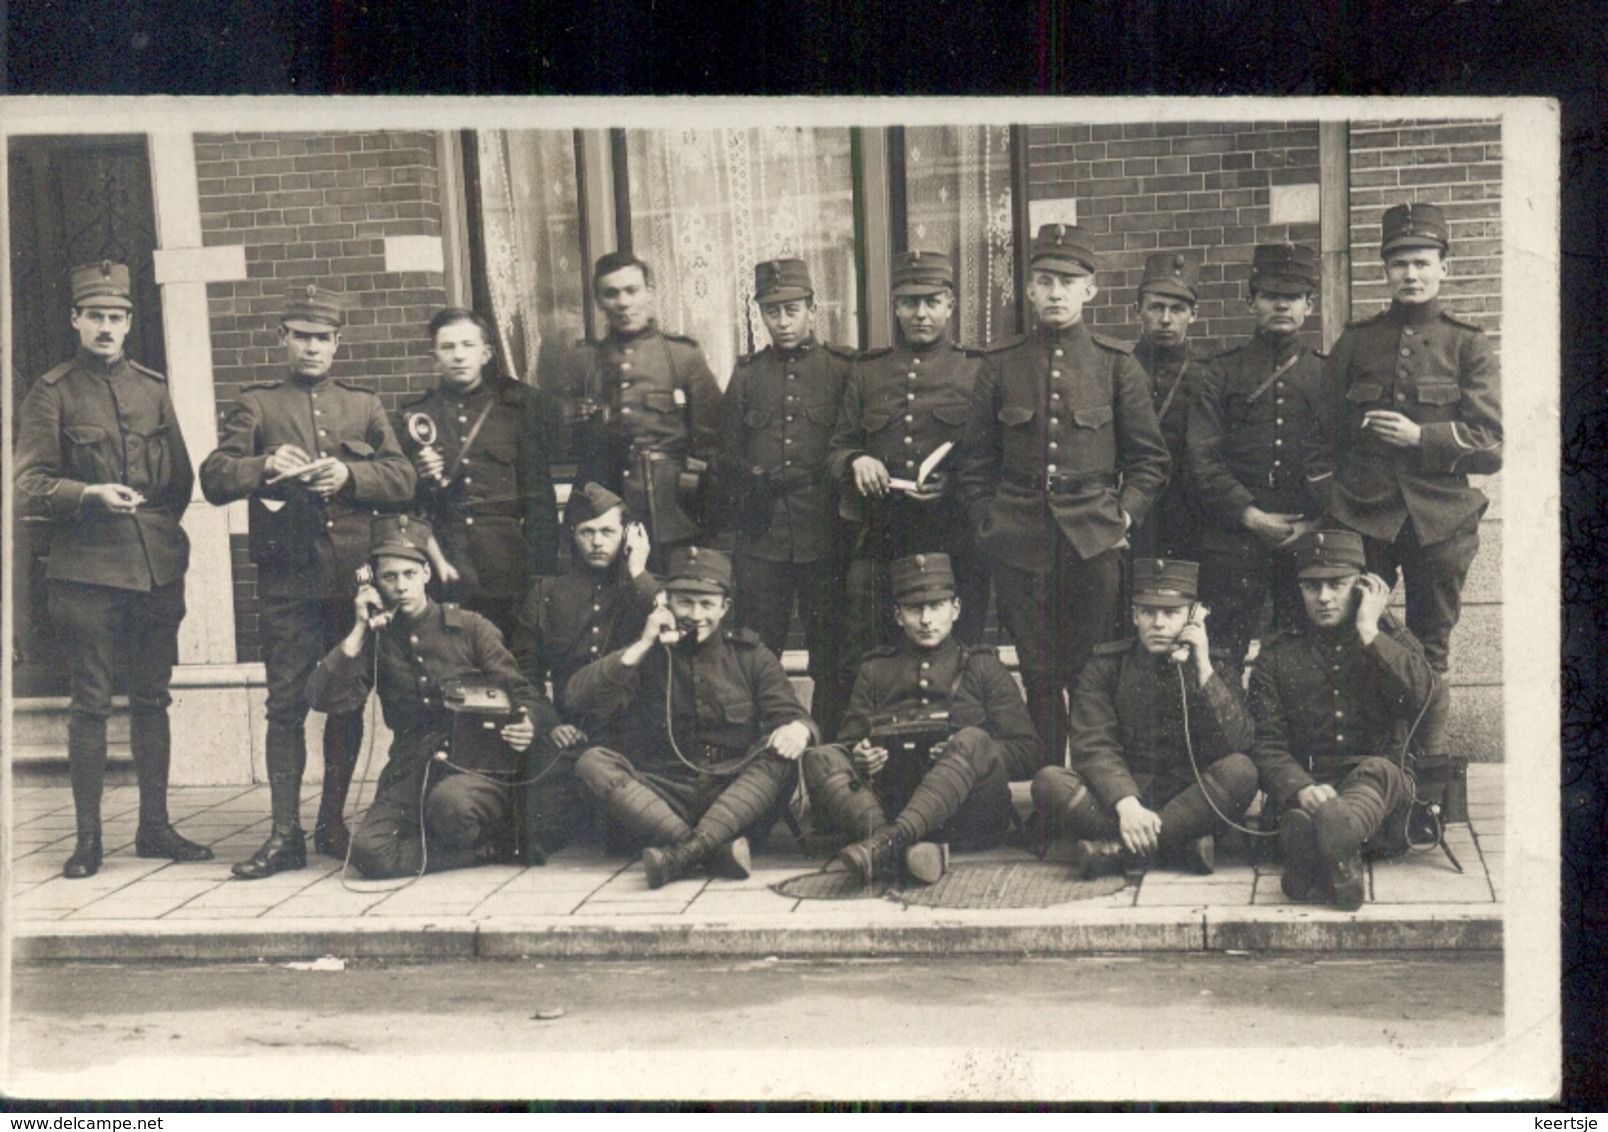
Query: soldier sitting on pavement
[1159, 731]
[433, 809]
[965, 729]
[704, 729]
[1335, 702]
[567, 622]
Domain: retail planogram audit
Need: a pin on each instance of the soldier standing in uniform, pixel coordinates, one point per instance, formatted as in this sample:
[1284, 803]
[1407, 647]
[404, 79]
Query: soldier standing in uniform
[567, 622]
[1157, 722]
[1336, 700]
[645, 403]
[424, 650]
[958, 794]
[777, 419]
[706, 726]
[901, 403]
[1062, 457]
[1166, 306]
[1414, 395]
[477, 446]
[101, 456]
[316, 457]
[1254, 452]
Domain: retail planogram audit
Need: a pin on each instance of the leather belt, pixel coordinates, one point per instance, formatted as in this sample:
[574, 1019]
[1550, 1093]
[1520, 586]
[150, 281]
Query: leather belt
[1066, 482]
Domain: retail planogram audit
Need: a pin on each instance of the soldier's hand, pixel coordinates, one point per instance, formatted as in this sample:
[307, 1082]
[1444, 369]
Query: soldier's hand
[114, 497]
[448, 573]
[367, 605]
[330, 477]
[286, 459]
[932, 489]
[790, 739]
[1393, 428]
[660, 624]
[1193, 637]
[566, 735]
[521, 733]
[1309, 798]
[1297, 529]
[1271, 527]
[428, 463]
[1374, 599]
[868, 760]
[1140, 827]
[871, 476]
[637, 548]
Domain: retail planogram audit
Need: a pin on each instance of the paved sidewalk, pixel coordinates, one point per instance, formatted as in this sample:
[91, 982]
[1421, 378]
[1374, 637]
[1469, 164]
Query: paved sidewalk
[585, 904]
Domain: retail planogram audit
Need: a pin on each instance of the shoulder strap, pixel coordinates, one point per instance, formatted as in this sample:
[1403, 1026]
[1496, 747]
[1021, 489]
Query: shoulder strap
[1173, 392]
[1284, 367]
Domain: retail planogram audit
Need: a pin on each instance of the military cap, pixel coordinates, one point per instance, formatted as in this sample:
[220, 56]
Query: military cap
[1413, 226]
[778, 280]
[922, 273]
[1168, 583]
[591, 502]
[922, 577]
[103, 284]
[1173, 274]
[1284, 268]
[313, 310]
[1329, 554]
[697, 569]
[1064, 248]
[400, 536]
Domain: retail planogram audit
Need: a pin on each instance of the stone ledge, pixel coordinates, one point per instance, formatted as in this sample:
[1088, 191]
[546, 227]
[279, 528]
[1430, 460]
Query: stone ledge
[1398, 927]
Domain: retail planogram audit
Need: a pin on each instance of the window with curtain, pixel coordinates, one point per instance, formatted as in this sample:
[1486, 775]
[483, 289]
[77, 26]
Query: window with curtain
[958, 200]
[531, 239]
[707, 205]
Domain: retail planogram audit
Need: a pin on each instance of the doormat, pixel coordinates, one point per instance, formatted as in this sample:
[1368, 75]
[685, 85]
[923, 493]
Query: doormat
[981, 884]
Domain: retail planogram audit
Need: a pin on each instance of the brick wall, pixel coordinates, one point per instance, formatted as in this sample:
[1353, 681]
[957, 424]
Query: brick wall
[316, 208]
[1199, 187]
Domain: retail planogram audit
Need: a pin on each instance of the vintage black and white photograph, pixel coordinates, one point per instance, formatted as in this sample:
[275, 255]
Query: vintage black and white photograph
[990, 600]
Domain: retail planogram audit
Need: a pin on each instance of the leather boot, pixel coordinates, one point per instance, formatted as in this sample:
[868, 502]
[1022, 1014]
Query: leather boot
[1199, 855]
[86, 858]
[732, 860]
[165, 841]
[882, 855]
[1340, 851]
[665, 865]
[1092, 859]
[343, 741]
[286, 848]
[331, 837]
[1300, 851]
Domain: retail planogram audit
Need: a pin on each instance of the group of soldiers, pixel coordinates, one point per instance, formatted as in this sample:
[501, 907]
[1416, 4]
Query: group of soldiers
[883, 494]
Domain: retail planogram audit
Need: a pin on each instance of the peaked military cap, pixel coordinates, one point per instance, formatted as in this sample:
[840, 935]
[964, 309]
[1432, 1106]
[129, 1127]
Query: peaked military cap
[400, 536]
[1173, 274]
[922, 273]
[1168, 583]
[1064, 248]
[1329, 554]
[778, 280]
[590, 502]
[922, 577]
[1413, 226]
[696, 569]
[313, 310]
[1284, 268]
[103, 284]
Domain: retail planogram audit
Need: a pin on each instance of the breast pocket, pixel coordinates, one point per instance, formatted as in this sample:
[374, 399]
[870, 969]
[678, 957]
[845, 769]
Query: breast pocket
[1093, 417]
[358, 449]
[497, 466]
[148, 454]
[952, 417]
[1438, 401]
[756, 419]
[88, 454]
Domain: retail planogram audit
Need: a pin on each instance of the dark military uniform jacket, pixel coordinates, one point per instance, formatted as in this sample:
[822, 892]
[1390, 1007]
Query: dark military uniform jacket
[1440, 372]
[497, 517]
[89, 422]
[908, 682]
[1128, 719]
[305, 546]
[900, 403]
[777, 419]
[1175, 376]
[417, 660]
[652, 391]
[1062, 439]
[1252, 443]
[729, 693]
[573, 619]
[1323, 702]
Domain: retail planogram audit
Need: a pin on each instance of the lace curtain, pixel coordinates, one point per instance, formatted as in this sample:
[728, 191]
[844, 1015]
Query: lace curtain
[531, 215]
[958, 200]
[706, 205]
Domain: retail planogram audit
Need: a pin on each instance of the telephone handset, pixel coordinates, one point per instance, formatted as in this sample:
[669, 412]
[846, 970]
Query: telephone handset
[1197, 616]
[669, 634]
[365, 577]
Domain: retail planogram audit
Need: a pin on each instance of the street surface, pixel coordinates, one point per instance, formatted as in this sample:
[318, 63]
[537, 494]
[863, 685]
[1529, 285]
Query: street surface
[81, 1020]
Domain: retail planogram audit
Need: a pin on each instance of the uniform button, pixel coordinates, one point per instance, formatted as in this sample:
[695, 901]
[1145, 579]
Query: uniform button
[1058, 352]
[318, 412]
[625, 409]
[926, 664]
[908, 418]
[1339, 738]
[787, 440]
[1055, 373]
[423, 679]
[1406, 352]
[329, 523]
[1278, 420]
[1055, 396]
[597, 629]
[922, 681]
[910, 463]
[594, 650]
[1401, 396]
[787, 463]
[1055, 420]
[915, 361]
[1409, 331]
[1050, 468]
[1339, 715]
[1276, 463]
[469, 522]
[909, 440]
[1278, 443]
[910, 396]
[789, 418]
[463, 420]
[596, 608]
[414, 640]
[625, 385]
[468, 479]
[323, 432]
[1278, 400]
[792, 376]
[1053, 445]
[911, 376]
